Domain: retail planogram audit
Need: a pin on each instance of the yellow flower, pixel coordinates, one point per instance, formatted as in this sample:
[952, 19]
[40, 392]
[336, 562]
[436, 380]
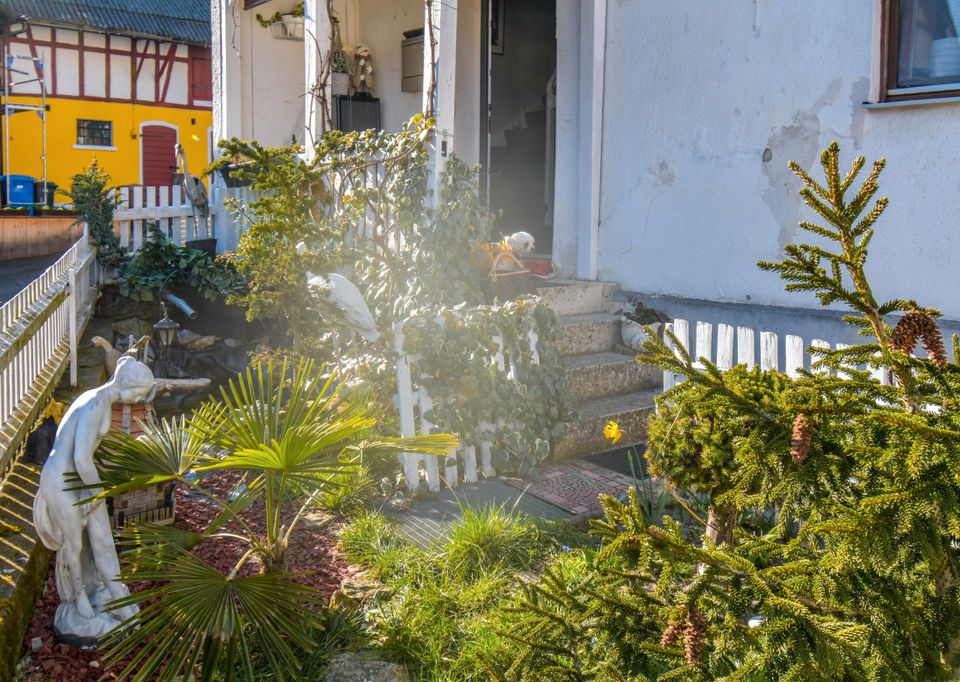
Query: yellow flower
[612, 432]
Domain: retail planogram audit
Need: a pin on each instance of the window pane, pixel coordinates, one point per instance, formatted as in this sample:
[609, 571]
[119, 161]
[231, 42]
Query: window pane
[94, 133]
[929, 48]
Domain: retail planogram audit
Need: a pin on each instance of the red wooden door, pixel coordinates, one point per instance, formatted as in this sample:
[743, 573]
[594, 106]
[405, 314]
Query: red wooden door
[159, 161]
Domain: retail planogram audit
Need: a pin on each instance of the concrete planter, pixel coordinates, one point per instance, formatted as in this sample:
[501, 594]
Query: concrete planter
[340, 83]
[289, 27]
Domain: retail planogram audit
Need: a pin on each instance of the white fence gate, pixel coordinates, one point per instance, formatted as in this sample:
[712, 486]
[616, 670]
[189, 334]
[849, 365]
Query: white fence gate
[39, 330]
[739, 342]
[414, 403]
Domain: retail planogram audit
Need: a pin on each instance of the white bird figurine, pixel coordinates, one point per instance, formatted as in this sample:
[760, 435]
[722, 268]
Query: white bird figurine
[347, 297]
[192, 185]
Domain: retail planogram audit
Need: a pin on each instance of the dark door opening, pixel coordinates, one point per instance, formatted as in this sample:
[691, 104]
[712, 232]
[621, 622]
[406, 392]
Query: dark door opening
[518, 124]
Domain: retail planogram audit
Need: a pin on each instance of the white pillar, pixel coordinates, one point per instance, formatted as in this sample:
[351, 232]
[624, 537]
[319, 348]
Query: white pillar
[316, 72]
[566, 178]
[593, 33]
[227, 79]
[440, 69]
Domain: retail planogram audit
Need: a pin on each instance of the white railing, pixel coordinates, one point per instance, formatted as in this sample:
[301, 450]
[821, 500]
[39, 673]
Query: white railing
[738, 342]
[414, 404]
[40, 329]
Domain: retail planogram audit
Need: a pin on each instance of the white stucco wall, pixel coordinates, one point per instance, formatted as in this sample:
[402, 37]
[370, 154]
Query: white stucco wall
[258, 83]
[695, 92]
[380, 27]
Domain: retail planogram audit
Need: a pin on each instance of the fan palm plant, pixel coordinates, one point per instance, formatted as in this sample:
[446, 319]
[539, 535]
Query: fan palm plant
[290, 434]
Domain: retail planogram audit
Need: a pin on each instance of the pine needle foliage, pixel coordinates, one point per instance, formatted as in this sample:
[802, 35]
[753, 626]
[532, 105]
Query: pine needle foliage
[854, 574]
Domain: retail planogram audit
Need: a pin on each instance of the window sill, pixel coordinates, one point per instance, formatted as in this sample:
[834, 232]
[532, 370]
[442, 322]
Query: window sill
[95, 146]
[899, 104]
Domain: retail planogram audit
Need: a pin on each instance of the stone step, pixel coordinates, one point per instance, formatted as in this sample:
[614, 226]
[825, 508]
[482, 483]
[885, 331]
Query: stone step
[597, 375]
[585, 435]
[588, 333]
[572, 297]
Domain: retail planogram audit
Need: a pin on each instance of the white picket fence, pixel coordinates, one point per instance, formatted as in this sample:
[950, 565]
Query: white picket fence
[414, 403]
[138, 207]
[39, 329]
[736, 345]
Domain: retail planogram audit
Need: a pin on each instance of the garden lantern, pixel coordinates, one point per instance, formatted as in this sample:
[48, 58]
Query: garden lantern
[166, 328]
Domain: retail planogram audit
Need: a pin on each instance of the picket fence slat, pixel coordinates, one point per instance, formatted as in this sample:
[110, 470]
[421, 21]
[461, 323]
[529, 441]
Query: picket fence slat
[724, 346]
[745, 350]
[794, 351]
[704, 340]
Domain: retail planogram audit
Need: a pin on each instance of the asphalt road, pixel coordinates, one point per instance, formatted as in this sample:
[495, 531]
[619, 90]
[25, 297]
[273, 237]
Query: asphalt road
[16, 274]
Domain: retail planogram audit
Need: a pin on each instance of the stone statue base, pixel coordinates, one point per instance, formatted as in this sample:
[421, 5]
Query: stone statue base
[82, 633]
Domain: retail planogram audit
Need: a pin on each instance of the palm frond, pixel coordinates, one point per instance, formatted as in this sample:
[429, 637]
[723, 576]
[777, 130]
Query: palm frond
[197, 612]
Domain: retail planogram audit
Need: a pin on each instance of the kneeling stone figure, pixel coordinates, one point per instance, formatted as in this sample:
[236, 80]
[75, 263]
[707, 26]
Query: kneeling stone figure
[87, 566]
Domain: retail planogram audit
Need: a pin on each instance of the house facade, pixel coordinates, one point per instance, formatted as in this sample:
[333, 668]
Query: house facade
[652, 138]
[122, 83]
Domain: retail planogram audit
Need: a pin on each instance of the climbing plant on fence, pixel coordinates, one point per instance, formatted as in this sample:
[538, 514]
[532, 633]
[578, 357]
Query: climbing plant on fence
[360, 207]
[454, 351]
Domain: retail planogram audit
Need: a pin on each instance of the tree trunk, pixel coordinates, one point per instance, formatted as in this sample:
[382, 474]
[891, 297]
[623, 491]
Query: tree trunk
[721, 521]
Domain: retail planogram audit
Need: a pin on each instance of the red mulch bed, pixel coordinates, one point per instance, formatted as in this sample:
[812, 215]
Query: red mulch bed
[313, 551]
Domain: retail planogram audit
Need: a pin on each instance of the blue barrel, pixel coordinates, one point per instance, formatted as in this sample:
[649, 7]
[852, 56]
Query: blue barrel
[20, 191]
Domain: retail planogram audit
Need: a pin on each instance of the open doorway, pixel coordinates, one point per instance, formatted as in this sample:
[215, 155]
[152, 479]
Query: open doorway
[517, 133]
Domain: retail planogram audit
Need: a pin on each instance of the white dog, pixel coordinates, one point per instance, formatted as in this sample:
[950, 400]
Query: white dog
[521, 243]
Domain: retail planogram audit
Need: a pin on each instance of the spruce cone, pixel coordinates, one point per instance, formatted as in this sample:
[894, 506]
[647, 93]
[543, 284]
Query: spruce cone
[694, 635]
[671, 634]
[802, 437]
[915, 326]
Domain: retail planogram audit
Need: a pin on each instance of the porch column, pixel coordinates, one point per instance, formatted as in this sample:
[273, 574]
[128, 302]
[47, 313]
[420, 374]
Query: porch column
[317, 41]
[227, 106]
[593, 34]
[439, 92]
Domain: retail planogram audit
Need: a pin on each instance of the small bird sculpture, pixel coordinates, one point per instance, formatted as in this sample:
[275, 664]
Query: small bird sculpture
[347, 297]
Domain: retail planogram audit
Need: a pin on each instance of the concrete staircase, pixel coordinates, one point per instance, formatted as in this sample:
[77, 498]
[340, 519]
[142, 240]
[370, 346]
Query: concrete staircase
[605, 379]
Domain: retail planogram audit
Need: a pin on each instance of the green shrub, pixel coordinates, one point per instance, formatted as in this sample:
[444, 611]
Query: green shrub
[91, 197]
[373, 540]
[159, 261]
[488, 539]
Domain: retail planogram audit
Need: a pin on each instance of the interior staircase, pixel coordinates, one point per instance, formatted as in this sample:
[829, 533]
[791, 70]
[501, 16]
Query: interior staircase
[606, 381]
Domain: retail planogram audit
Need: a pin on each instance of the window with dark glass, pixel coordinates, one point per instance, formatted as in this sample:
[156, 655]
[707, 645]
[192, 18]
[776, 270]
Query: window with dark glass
[94, 133]
[923, 48]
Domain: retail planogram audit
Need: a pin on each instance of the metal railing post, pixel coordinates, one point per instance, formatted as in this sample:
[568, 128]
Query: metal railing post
[72, 322]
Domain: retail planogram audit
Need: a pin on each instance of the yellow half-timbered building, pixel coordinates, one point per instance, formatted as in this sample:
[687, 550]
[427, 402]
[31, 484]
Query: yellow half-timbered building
[123, 80]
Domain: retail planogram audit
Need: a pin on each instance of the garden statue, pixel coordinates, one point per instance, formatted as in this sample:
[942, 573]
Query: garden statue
[362, 76]
[87, 566]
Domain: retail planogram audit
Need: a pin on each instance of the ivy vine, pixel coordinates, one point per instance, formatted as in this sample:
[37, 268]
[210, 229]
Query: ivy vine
[454, 354]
